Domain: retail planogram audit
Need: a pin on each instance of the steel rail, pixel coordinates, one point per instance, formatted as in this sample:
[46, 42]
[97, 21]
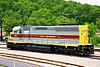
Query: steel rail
[90, 56]
[39, 60]
[98, 50]
[5, 58]
[96, 57]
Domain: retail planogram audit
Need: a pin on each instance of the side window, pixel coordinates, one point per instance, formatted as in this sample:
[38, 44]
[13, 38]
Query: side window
[25, 29]
[16, 31]
[68, 29]
[19, 30]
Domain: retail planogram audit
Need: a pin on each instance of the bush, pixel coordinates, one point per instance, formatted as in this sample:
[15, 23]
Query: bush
[95, 40]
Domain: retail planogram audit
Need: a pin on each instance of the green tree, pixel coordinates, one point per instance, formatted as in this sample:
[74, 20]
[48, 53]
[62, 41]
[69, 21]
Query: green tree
[98, 23]
[64, 20]
[44, 12]
[92, 30]
[95, 40]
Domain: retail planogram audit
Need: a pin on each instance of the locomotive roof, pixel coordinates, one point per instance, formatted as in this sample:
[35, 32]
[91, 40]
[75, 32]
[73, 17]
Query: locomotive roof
[16, 27]
[54, 26]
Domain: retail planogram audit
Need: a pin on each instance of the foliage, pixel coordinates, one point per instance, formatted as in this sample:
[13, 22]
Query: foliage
[44, 12]
[92, 30]
[98, 23]
[95, 40]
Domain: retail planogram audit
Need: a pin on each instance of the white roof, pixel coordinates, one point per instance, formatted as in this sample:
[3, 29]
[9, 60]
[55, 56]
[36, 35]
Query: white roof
[16, 27]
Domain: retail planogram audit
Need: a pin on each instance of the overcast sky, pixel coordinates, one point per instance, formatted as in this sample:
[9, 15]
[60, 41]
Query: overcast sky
[92, 2]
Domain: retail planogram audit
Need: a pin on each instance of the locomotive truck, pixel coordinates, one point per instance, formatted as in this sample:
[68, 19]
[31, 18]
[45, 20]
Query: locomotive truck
[68, 39]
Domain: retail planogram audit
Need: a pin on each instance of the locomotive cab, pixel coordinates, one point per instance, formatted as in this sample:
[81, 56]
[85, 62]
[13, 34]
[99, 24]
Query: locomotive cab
[16, 30]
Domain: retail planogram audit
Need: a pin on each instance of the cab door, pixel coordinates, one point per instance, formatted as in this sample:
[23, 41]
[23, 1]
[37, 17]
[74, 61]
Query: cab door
[83, 29]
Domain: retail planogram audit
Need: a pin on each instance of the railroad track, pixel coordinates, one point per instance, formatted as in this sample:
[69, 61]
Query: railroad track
[14, 62]
[39, 60]
[91, 56]
[98, 50]
[94, 57]
[51, 62]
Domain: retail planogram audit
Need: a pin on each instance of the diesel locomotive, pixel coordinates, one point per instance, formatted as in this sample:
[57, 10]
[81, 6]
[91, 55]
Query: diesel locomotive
[68, 39]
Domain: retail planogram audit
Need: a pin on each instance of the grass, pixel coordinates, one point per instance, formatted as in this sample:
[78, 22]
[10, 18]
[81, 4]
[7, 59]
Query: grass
[2, 66]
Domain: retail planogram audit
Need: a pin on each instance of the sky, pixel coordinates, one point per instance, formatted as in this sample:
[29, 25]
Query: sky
[92, 2]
